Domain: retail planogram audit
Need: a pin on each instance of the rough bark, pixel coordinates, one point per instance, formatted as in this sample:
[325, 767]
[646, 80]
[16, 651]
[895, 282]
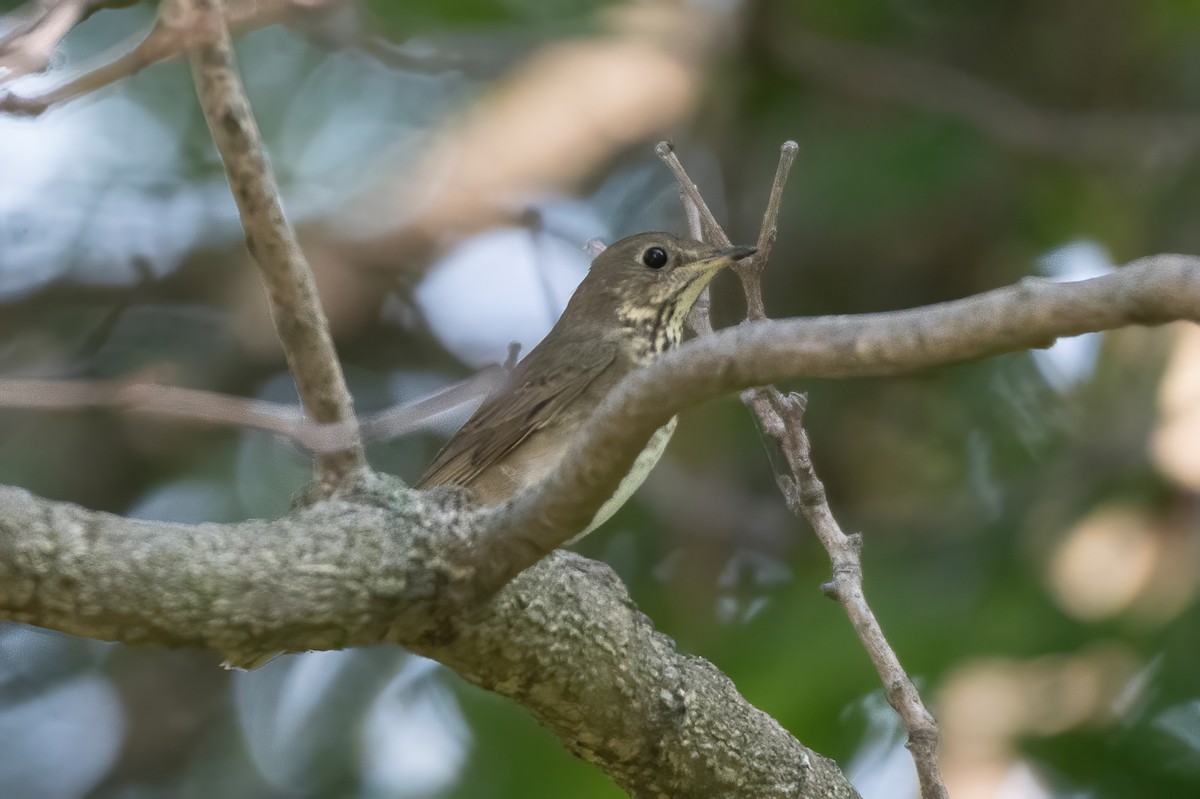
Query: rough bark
[381, 563]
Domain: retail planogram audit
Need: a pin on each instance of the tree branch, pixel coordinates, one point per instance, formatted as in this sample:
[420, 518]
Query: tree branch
[378, 563]
[295, 307]
[751, 271]
[1033, 313]
[782, 418]
[208, 407]
[30, 47]
[36, 28]
[381, 563]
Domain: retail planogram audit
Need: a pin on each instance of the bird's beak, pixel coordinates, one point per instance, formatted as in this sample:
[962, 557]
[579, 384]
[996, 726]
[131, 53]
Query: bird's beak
[736, 253]
[720, 258]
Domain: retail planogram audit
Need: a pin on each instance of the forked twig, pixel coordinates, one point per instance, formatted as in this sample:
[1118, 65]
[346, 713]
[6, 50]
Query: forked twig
[750, 270]
[29, 47]
[34, 32]
[780, 417]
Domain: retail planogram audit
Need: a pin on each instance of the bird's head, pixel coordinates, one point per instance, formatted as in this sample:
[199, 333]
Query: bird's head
[650, 279]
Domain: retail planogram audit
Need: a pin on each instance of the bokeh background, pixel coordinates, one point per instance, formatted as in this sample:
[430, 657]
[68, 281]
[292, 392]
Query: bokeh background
[1031, 521]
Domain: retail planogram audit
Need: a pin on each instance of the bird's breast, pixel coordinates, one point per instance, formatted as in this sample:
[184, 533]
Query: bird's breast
[634, 479]
[649, 332]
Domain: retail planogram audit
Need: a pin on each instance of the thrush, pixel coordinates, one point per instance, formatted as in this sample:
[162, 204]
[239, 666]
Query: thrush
[629, 308]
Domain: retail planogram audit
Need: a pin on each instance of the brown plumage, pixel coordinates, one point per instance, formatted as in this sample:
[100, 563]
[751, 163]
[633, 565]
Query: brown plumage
[630, 307]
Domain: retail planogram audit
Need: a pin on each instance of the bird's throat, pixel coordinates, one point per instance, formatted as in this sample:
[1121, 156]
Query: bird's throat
[652, 330]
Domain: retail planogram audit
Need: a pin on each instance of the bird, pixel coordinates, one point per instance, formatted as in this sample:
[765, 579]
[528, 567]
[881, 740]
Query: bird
[628, 309]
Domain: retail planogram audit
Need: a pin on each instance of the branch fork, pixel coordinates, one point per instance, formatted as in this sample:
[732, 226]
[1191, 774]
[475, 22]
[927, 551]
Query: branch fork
[780, 416]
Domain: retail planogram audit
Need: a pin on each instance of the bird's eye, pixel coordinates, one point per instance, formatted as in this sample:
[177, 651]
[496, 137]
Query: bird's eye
[655, 257]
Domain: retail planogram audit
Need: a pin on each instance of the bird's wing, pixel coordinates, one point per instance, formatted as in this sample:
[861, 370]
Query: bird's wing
[513, 414]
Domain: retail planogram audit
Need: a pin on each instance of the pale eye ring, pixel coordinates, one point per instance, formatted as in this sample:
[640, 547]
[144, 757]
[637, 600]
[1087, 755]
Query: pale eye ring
[655, 257]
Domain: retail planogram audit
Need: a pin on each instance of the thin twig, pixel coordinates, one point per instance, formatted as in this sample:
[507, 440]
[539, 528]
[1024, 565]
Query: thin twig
[692, 212]
[702, 226]
[208, 407]
[295, 307]
[159, 44]
[35, 32]
[804, 492]
[781, 418]
[172, 402]
[164, 40]
[712, 230]
[408, 417]
[699, 320]
[750, 270]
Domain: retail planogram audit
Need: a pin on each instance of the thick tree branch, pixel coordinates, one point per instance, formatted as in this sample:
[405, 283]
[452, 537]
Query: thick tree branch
[299, 320]
[379, 563]
[1033, 313]
[659, 722]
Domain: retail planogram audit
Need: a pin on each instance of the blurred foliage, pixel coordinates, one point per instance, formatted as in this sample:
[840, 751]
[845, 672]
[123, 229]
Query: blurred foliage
[965, 481]
[401, 20]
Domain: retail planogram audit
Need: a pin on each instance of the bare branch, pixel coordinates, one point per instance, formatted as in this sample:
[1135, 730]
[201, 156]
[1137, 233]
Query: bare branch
[171, 402]
[692, 212]
[208, 407]
[35, 32]
[781, 416]
[381, 564]
[712, 230]
[750, 271]
[702, 226]
[699, 320]
[1032, 313]
[295, 306]
[160, 43]
[165, 39]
